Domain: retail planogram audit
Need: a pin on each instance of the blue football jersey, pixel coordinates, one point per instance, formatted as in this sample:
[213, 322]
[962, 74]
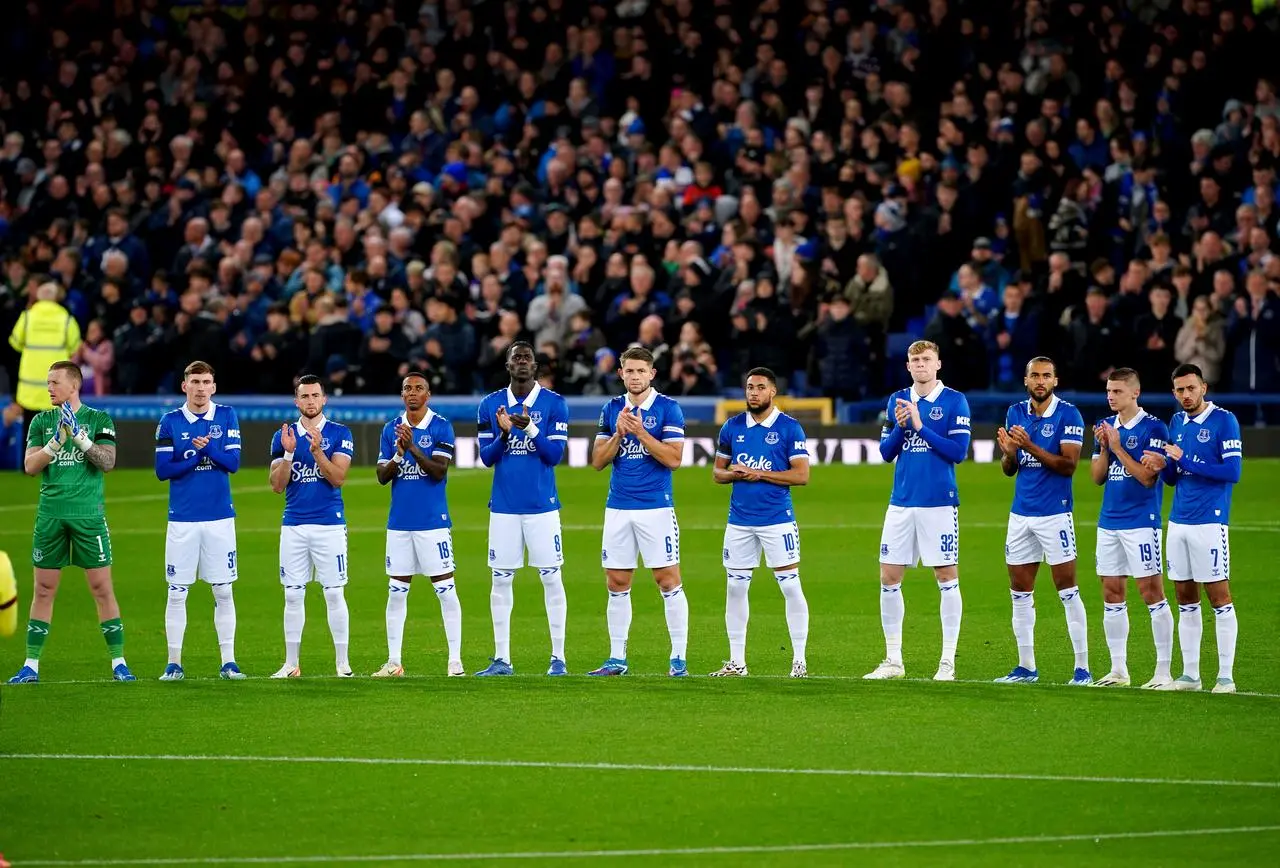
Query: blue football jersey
[418, 501]
[1212, 453]
[309, 498]
[922, 477]
[1127, 503]
[524, 467]
[1037, 490]
[638, 480]
[201, 489]
[768, 445]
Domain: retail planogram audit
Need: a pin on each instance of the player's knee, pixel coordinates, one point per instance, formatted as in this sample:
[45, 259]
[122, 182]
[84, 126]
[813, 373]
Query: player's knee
[295, 596]
[1188, 593]
[443, 577]
[99, 586]
[618, 580]
[667, 578]
[550, 575]
[891, 574]
[1150, 589]
[222, 594]
[945, 574]
[334, 596]
[178, 594]
[503, 578]
[1219, 594]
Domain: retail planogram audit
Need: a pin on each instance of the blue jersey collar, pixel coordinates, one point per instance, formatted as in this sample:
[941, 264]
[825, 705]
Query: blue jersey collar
[933, 395]
[513, 401]
[767, 422]
[206, 415]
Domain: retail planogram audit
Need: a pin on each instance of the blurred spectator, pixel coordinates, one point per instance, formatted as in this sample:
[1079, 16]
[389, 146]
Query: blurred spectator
[870, 295]
[1253, 341]
[1155, 337]
[280, 353]
[96, 358]
[1202, 341]
[334, 334]
[1096, 338]
[689, 378]
[12, 442]
[450, 345]
[1013, 339]
[136, 352]
[979, 300]
[960, 347]
[549, 313]
[384, 356]
[493, 352]
[44, 333]
[841, 352]
[578, 353]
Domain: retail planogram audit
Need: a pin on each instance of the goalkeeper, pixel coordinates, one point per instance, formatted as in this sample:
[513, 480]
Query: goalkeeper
[71, 446]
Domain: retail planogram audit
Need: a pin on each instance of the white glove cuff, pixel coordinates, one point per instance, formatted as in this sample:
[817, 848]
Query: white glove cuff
[83, 442]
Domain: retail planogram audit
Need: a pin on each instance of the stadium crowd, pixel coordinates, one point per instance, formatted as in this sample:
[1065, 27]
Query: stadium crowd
[359, 186]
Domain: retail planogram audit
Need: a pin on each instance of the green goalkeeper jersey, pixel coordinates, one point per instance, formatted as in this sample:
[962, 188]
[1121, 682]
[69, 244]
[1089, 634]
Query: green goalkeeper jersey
[71, 487]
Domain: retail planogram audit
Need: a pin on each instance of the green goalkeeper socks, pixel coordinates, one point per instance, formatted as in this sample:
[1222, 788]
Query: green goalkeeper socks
[37, 634]
[113, 633]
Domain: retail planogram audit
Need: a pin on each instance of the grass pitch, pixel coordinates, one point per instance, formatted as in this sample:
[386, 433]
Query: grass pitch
[636, 770]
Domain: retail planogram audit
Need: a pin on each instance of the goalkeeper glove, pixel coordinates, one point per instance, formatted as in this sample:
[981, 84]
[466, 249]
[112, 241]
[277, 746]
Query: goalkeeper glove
[78, 435]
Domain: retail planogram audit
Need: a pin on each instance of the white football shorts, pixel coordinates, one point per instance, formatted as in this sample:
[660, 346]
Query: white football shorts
[419, 552]
[779, 542]
[200, 549]
[927, 535]
[1199, 553]
[1031, 540]
[652, 534]
[1131, 552]
[318, 547]
[511, 535]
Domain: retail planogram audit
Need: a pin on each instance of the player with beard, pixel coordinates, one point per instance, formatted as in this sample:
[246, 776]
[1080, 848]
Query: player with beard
[1202, 461]
[523, 431]
[762, 453]
[1040, 445]
[313, 538]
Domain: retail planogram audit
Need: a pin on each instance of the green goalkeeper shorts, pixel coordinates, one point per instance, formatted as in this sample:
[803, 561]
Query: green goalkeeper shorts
[58, 542]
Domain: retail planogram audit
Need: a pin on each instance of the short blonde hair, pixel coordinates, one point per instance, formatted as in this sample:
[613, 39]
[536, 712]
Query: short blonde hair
[922, 347]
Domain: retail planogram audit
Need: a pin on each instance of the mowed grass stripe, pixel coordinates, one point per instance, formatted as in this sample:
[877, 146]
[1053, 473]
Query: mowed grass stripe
[631, 767]
[661, 851]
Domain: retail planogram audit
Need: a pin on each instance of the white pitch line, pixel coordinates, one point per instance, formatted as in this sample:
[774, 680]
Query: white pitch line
[634, 767]
[665, 852]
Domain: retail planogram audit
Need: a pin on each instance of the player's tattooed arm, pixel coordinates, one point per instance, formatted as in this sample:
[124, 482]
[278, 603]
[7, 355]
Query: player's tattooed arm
[102, 456]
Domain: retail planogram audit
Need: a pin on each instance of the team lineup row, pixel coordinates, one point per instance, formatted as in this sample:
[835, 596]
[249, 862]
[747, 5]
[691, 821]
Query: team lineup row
[761, 453]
